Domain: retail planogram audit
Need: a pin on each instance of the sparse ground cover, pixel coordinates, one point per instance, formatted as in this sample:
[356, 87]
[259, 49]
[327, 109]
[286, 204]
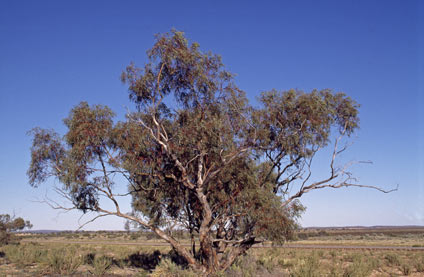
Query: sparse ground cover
[405, 237]
[60, 255]
[29, 259]
[409, 237]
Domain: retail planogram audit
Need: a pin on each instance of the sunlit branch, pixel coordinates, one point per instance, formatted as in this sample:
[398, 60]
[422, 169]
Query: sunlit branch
[335, 174]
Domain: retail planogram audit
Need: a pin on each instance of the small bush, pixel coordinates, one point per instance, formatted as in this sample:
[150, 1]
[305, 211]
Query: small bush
[293, 254]
[360, 267]
[244, 266]
[392, 259]
[419, 265]
[406, 269]
[308, 267]
[101, 265]
[166, 268]
[374, 263]
[135, 236]
[151, 235]
[24, 255]
[335, 270]
[302, 236]
[5, 238]
[323, 233]
[269, 260]
[352, 257]
[64, 262]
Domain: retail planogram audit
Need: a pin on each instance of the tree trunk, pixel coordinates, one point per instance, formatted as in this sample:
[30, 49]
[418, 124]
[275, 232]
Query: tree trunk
[208, 254]
[192, 262]
[235, 252]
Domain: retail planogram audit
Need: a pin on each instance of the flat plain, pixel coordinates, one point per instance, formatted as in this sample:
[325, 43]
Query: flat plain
[377, 251]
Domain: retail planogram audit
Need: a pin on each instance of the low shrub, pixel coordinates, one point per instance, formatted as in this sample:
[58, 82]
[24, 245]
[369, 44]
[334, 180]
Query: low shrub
[392, 259]
[24, 255]
[101, 265]
[243, 266]
[359, 267]
[302, 236]
[5, 238]
[335, 270]
[166, 268]
[406, 269]
[309, 267]
[135, 236]
[151, 236]
[419, 264]
[63, 261]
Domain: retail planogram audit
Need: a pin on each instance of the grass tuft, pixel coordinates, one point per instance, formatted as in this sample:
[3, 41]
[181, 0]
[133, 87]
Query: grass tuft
[101, 265]
[63, 261]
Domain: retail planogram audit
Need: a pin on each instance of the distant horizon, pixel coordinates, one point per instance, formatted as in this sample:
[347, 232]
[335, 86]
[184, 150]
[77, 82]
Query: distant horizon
[307, 227]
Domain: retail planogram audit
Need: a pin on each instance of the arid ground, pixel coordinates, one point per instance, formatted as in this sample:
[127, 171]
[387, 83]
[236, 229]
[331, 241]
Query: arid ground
[383, 251]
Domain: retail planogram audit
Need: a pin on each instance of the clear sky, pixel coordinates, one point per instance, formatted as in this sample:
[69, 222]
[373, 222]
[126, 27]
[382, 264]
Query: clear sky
[54, 54]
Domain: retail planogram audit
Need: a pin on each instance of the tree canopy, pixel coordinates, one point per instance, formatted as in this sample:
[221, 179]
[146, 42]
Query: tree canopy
[10, 224]
[196, 154]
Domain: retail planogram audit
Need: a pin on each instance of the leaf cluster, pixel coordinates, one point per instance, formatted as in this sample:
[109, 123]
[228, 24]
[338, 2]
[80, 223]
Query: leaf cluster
[10, 224]
[195, 152]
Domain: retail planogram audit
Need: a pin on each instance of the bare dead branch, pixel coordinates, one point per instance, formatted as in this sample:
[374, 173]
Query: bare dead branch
[91, 220]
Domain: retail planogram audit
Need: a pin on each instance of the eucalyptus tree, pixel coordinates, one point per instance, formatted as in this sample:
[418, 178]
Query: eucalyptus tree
[9, 224]
[196, 155]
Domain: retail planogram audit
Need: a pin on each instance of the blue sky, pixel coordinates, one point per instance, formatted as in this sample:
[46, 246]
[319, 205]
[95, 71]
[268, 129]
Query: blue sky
[54, 54]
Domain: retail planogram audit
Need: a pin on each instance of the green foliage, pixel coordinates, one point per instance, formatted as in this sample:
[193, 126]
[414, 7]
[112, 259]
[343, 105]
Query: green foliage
[49, 259]
[24, 255]
[210, 162]
[361, 266]
[244, 266]
[166, 268]
[266, 261]
[308, 267]
[135, 236]
[5, 238]
[64, 261]
[392, 259]
[9, 224]
[101, 265]
[151, 236]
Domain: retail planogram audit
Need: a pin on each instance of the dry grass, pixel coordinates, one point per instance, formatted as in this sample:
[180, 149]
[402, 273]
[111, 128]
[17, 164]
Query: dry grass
[95, 257]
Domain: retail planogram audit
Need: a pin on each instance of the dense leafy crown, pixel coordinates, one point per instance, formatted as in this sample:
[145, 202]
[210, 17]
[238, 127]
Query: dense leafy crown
[194, 151]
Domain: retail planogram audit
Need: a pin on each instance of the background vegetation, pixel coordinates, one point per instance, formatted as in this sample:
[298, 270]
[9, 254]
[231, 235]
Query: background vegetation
[140, 254]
